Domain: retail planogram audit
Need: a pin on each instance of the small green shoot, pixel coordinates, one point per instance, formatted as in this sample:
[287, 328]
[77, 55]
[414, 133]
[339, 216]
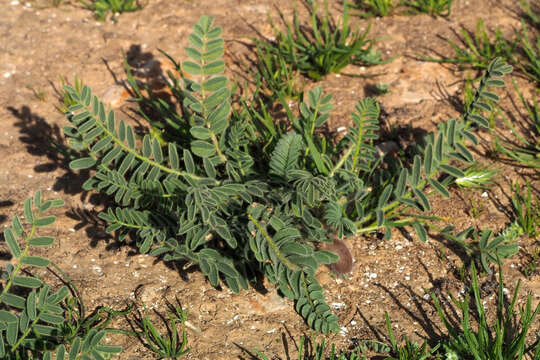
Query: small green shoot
[523, 148]
[432, 7]
[373, 8]
[171, 346]
[408, 351]
[482, 246]
[274, 75]
[477, 49]
[318, 351]
[102, 8]
[65, 98]
[526, 211]
[476, 209]
[512, 231]
[531, 63]
[39, 94]
[505, 339]
[324, 47]
[532, 14]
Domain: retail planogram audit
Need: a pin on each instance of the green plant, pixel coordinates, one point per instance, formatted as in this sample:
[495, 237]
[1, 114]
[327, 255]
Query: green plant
[476, 208]
[103, 7]
[531, 62]
[505, 339]
[477, 49]
[319, 352]
[532, 13]
[65, 98]
[323, 48]
[476, 177]
[240, 197]
[394, 351]
[39, 94]
[170, 347]
[274, 75]
[34, 320]
[523, 148]
[483, 246]
[433, 7]
[526, 210]
[372, 8]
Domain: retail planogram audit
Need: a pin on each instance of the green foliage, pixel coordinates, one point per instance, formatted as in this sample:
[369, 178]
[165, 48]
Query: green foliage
[241, 196]
[476, 177]
[532, 13]
[524, 147]
[34, 319]
[432, 7]
[526, 210]
[66, 100]
[274, 75]
[477, 49]
[394, 351]
[321, 48]
[102, 8]
[371, 8]
[171, 346]
[531, 62]
[318, 351]
[505, 339]
[484, 247]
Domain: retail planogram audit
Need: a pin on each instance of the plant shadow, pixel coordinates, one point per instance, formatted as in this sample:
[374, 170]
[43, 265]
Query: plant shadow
[3, 204]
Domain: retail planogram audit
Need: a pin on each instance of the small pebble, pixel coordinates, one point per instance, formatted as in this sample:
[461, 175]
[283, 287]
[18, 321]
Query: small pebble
[338, 305]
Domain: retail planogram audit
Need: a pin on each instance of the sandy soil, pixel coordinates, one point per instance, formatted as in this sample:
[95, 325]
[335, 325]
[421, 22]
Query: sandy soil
[40, 43]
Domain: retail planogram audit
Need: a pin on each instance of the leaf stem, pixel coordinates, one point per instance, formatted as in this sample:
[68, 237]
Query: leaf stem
[273, 245]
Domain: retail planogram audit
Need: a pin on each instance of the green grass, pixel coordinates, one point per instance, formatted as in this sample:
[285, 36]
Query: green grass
[317, 351]
[102, 8]
[275, 76]
[476, 338]
[477, 49]
[469, 336]
[173, 344]
[432, 7]
[379, 8]
[523, 147]
[372, 8]
[322, 47]
[530, 64]
[526, 209]
[531, 12]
